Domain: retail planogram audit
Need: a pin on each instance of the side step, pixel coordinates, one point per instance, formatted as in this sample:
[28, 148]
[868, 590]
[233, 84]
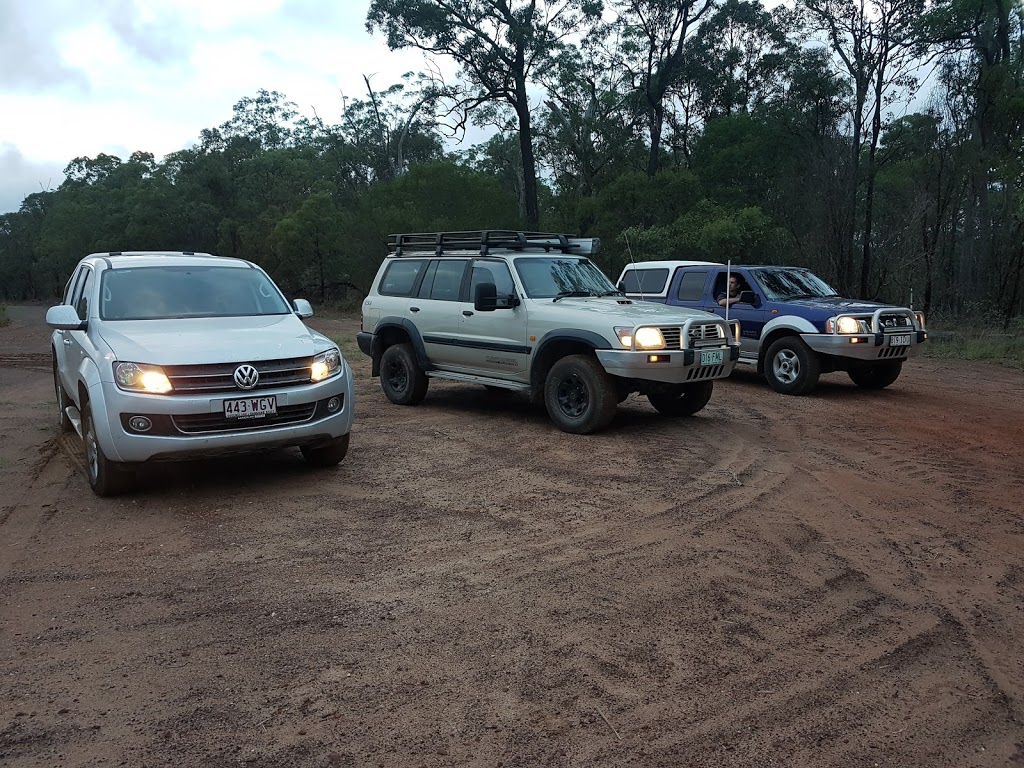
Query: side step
[747, 359]
[486, 381]
[75, 417]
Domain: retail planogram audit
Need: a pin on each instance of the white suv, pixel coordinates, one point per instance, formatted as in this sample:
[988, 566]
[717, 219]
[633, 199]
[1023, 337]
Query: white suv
[162, 356]
[531, 312]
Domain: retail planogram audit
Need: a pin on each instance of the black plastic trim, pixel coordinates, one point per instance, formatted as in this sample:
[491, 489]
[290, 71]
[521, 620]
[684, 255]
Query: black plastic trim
[517, 349]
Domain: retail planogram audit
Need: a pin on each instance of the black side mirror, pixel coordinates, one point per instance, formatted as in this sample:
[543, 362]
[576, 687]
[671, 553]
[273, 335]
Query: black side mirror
[485, 298]
[748, 297]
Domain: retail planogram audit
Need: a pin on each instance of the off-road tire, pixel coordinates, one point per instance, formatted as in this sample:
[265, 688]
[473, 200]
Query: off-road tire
[791, 367]
[876, 375]
[326, 454]
[401, 378]
[579, 395]
[63, 401]
[684, 400]
[106, 477]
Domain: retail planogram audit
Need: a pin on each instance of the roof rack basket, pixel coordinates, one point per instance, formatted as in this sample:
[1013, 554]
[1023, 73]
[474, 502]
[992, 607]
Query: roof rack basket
[486, 239]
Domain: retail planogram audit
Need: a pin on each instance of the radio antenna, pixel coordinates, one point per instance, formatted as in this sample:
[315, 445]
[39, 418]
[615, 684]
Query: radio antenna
[639, 281]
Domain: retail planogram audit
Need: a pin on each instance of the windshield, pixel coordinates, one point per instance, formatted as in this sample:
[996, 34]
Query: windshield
[560, 276]
[786, 284]
[157, 293]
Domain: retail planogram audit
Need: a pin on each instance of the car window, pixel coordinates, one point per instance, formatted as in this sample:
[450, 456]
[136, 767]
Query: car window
[644, 281]
[69, 289]
[152, 293]
[448, 280]
[496, 272]
[428, 281]
[691, 286]
[544, 278]
[782, 284]
[82, 303]
[400, 277]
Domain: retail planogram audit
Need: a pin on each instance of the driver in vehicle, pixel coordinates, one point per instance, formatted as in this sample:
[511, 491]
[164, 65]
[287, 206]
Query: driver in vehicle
[736, 287]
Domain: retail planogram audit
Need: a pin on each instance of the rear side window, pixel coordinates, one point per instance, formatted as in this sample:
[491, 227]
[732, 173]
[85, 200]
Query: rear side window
[448, 280]
[644, 281]
[82, 302]
[400, 277]
[691, 286]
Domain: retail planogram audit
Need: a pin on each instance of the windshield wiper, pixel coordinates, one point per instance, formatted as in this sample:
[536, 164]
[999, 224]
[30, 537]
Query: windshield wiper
[611, 293]
[567, 294]
[804, 296]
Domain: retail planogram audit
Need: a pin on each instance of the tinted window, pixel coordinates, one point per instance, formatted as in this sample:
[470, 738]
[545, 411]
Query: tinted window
[448, 280]
[151, 293]
[428, 281]
[496, 272]
[85, 289]
[645, 280]
[691, 286]
[400, 277]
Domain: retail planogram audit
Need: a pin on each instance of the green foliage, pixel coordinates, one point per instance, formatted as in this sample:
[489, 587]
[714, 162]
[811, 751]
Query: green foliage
[4, 318]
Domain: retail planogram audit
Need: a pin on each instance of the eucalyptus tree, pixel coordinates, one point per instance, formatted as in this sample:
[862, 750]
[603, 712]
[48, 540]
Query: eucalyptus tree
[499, 46]
[653, 37]
[876, 44]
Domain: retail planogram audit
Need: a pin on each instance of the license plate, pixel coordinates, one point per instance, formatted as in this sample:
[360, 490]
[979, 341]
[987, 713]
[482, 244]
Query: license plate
[900, 340]
[250, 407]
[712, 357]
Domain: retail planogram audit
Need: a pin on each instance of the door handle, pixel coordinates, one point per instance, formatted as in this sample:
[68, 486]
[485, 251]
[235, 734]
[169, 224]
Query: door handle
[67, 342]
[414, 309]
[467, 313]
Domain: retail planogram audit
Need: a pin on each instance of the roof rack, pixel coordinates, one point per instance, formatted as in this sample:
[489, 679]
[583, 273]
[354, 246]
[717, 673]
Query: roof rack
[486, 239]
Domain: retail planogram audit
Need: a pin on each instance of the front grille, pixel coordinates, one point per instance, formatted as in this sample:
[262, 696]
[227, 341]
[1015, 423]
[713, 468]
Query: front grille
[707, 334]
[672, 337]
[218, 377]
[895, 321]
[201, 423]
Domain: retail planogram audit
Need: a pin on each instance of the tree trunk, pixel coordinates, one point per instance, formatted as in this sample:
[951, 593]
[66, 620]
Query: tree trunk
[522, 107]
[657, 114]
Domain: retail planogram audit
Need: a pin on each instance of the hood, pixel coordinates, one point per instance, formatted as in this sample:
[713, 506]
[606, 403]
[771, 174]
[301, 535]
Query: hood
[837, 305]
[205, 340]
[620, 310]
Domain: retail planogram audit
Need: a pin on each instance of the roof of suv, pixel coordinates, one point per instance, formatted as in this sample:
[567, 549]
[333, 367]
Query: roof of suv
[124, 259]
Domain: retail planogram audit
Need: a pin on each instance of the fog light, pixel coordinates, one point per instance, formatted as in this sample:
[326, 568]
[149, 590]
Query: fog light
[140, 424]
[333, 404]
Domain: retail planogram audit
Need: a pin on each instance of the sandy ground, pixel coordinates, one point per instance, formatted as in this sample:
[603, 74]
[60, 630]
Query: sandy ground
[833, 580]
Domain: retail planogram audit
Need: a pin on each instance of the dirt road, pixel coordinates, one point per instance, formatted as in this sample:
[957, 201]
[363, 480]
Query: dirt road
[833, 580]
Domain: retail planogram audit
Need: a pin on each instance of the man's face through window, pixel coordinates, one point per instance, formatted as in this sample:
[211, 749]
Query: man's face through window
[734, 286]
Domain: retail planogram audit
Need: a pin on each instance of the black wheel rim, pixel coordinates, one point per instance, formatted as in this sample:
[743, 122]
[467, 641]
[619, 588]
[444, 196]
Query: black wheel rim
[397, 377]
[573, 396]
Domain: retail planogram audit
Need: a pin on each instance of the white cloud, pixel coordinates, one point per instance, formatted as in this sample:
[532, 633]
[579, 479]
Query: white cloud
[20, 177]
[80, 77]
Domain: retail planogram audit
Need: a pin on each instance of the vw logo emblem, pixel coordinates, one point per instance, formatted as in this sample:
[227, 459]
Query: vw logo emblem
[246, 377]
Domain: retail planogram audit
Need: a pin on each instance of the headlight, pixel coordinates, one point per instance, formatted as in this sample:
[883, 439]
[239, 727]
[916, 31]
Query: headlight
[141, 378]
[847, 325]
[920, 320]
[649, 338]
[325, 365]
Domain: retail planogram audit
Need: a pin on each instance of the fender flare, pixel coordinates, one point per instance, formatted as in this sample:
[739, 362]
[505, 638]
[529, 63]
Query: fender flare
[409, 327]
[589, 338]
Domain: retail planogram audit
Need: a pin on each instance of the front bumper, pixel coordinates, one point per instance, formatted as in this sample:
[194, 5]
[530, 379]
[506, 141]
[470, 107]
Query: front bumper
[868, 346]
[186, 427]
[677, 366]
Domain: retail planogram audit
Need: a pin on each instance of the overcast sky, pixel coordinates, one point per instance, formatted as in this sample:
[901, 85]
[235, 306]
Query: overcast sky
[81, 77]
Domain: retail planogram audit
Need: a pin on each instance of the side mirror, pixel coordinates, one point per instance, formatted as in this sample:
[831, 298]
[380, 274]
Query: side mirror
[63, 317]
[302, 308]
[485, 297]
[748, 297]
